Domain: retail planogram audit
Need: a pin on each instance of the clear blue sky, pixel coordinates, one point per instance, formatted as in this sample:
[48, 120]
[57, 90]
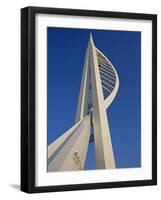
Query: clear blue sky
[66, 53]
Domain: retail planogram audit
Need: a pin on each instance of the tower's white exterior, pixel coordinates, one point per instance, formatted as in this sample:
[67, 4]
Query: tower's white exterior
[99, 87]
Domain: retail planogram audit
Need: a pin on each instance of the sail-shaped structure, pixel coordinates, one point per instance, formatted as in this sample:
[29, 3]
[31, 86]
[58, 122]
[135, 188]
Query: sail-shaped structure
[99, 87]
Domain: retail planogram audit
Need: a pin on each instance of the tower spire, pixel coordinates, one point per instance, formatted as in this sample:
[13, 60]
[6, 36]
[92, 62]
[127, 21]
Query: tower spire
[91, 39]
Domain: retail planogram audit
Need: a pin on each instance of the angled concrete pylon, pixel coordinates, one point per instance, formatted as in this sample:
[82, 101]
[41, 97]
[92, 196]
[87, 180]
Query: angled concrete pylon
[102, 138]
[99, 86]
[100, 75]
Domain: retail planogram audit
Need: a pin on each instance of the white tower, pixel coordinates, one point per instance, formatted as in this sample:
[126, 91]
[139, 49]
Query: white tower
[99, 87]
